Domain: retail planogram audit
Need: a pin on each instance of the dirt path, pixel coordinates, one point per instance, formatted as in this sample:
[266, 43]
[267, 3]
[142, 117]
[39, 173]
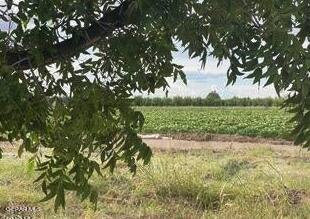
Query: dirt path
[183, 145]
[159, 143]
[203, 137]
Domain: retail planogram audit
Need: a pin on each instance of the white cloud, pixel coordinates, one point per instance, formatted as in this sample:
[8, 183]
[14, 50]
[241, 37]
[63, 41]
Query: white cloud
[251, 91]
[194, 65]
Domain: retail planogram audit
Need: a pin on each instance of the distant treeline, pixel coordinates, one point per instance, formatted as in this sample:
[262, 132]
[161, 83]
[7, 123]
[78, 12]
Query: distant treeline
[198, 101]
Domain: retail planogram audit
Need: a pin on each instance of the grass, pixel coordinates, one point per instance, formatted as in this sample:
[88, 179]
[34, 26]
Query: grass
[250, 183]
[254, 122]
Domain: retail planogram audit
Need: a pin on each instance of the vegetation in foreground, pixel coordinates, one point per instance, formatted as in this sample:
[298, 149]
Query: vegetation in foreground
[249, 183]
[254, 122]
[105, 51]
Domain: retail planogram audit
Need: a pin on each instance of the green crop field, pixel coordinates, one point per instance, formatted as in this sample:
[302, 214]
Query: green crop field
[258, 122]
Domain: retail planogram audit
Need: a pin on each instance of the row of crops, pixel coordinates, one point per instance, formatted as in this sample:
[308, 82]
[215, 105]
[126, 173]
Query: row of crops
[260, 122]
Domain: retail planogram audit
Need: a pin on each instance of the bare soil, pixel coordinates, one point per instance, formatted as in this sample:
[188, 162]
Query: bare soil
[227, 138]
[193, 141]
[187, 142]
[172, 144]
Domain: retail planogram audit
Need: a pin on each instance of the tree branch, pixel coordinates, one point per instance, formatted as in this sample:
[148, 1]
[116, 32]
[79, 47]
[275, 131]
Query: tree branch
[104, 27]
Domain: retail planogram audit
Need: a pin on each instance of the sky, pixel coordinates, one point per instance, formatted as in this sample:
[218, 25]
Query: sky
[202, 81]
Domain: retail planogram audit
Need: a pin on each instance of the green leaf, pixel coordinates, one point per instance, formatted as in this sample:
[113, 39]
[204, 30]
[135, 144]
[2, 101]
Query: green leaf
[31, 165]
[93, 198]
[9, 4]
[42, 176]
[183, 77]
[60, 198]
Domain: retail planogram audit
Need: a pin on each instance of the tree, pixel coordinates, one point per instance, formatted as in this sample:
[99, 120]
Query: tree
[213, 99]
[69, 68]
[213, 95]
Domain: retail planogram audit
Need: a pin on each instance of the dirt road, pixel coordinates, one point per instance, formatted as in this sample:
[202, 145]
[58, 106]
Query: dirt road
[158, 143]
[183, 145]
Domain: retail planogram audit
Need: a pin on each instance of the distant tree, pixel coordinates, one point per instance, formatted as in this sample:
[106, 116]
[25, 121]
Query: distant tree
[213, 95]
[138, 101]
[208, 101]
[177, 101]
[213, 99]
[188, 101]
[198, 101]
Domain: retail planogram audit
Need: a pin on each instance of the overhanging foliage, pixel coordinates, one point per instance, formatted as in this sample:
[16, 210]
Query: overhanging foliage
[132, 44]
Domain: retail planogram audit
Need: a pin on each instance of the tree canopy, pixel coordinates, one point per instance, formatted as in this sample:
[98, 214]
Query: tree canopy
[98, 53]
[213, 95]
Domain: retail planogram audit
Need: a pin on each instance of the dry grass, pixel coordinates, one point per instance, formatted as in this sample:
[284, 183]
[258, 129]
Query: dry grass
[251, 183]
